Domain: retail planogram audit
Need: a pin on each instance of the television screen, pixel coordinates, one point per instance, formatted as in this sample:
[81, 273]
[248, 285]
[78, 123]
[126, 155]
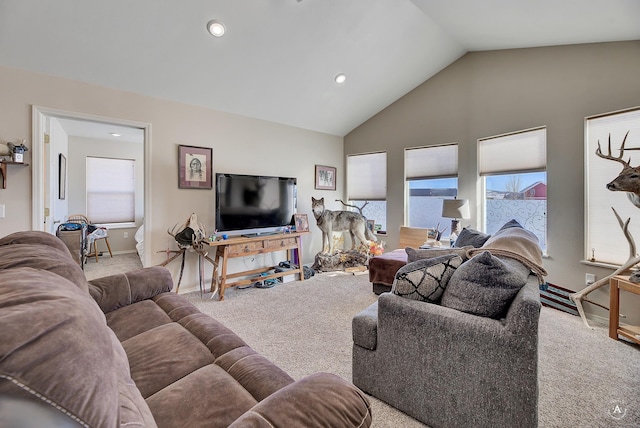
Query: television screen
[246, 202]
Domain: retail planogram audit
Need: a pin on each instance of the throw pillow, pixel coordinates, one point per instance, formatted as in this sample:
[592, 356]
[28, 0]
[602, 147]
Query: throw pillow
[414, 254]
[425, 279]
[484, 286]
[511, 223]
[471, 237]
[515, 242]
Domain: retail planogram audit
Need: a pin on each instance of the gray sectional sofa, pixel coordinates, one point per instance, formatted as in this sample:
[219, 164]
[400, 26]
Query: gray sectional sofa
[455, 342]
[126, 351]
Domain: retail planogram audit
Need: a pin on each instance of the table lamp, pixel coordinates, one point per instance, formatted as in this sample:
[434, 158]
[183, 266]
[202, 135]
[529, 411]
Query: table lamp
[455, 209]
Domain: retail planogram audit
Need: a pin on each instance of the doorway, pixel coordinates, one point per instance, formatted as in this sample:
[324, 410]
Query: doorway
[52, 131]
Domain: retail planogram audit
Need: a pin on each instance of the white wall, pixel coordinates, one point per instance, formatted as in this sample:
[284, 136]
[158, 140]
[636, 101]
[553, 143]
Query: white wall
[240, 145]
[490, 93]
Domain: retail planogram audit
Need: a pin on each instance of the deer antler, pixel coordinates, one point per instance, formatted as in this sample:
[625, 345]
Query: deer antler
[610, 156]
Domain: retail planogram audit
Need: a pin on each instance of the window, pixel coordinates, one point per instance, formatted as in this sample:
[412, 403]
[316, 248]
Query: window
[513, 169]
[367, 182]
[431, 174]
[110, 190]
[605, 241]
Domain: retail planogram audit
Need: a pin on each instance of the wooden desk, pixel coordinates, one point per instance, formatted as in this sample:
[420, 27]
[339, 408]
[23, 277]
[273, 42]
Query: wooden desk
[631, 332]
[235, 247]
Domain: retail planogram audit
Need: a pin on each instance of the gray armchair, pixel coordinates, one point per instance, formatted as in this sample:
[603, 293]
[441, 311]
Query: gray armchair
[448, 368]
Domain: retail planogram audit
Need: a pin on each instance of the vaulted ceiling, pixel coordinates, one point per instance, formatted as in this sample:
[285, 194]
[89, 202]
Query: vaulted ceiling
[278, 58]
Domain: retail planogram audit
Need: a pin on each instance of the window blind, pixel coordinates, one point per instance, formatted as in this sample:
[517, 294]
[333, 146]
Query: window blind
[514, 153]
[110, 190]
[431, 162]
[367, 177]
[605, 241]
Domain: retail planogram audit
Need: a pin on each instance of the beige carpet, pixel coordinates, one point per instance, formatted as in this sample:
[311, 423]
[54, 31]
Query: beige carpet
[305, 327]
[107, 265]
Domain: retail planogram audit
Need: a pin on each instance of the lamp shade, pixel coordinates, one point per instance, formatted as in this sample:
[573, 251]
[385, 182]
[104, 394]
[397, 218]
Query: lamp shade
[455, 208]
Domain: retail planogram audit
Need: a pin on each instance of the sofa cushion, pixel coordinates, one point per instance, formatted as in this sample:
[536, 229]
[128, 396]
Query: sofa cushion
[137, 318]
[55, 346]
[117, 291]
[414, 254]
[43, 257]
[425, 279]
[484, 286]
[35, 237]
[472, 237]
[161, 356]
[225, 400]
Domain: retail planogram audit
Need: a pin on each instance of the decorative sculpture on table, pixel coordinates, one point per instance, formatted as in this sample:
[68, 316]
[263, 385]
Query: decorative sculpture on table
[627, 181]
[191, 236]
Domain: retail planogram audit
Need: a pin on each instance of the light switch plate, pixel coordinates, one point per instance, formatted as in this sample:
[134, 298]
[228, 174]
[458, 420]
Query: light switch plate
[2, 211]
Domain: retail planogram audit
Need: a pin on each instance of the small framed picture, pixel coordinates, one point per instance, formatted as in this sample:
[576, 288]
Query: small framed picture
[302, 222]
[371, 225]
[325, 177]
[195, 166]
[62, 176]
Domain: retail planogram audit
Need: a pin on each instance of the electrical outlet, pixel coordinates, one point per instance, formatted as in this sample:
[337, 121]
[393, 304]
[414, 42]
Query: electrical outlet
[589, 279]
[126, 235]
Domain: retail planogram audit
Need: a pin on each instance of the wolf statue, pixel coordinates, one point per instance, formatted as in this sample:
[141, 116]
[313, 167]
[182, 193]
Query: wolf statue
[337, 221]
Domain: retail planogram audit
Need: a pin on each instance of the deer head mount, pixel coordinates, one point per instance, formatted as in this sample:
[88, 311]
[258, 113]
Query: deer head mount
[629, 178]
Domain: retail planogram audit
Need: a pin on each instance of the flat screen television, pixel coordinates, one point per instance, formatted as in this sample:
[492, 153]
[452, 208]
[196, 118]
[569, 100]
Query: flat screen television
[254, 203]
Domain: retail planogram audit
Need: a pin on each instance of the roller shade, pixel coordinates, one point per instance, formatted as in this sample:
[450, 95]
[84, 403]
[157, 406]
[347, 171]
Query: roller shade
[514, 153]
[367, 177]
[604, 239]
[110, 190]
[431, 162]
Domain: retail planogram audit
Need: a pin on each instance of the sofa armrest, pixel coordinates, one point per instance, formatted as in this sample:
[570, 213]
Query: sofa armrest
[364, 327]
[115, 291]
[319, 400]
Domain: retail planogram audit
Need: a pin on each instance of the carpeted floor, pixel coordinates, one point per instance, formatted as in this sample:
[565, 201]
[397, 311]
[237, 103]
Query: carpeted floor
[107, 265]
[305, 327]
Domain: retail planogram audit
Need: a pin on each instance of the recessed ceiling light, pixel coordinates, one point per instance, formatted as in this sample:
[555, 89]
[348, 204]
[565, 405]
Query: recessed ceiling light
[115, 134]
[340, 78]
[216, 28]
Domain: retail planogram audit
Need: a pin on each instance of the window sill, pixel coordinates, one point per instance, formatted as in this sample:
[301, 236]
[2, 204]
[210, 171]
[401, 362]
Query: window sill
[600, 264]
[111, 226]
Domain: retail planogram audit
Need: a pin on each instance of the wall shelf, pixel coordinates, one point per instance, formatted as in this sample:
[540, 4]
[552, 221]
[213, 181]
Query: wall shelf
[3, 170]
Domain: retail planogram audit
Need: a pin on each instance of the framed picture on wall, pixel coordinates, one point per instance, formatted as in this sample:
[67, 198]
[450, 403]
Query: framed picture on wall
[62, 176]
[302, 222]
[325, 177]
[371, 225]
[195, 166]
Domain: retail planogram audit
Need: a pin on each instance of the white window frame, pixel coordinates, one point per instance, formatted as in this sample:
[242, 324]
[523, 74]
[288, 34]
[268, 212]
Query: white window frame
[367, 180]
[604, 242]
[429, 163]
[512, 153]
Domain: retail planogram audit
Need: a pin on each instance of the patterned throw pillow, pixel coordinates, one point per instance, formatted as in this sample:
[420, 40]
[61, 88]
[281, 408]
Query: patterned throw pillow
[425, 279]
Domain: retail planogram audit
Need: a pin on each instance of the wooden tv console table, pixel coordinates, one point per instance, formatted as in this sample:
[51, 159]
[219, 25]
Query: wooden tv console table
[241, 246]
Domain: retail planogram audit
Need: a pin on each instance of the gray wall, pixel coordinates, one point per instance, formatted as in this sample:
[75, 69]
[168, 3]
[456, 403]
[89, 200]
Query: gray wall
[489, 93]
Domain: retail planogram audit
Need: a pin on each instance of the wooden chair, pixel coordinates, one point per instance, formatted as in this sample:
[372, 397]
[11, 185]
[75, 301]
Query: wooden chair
[81, 218]
[412, 237]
